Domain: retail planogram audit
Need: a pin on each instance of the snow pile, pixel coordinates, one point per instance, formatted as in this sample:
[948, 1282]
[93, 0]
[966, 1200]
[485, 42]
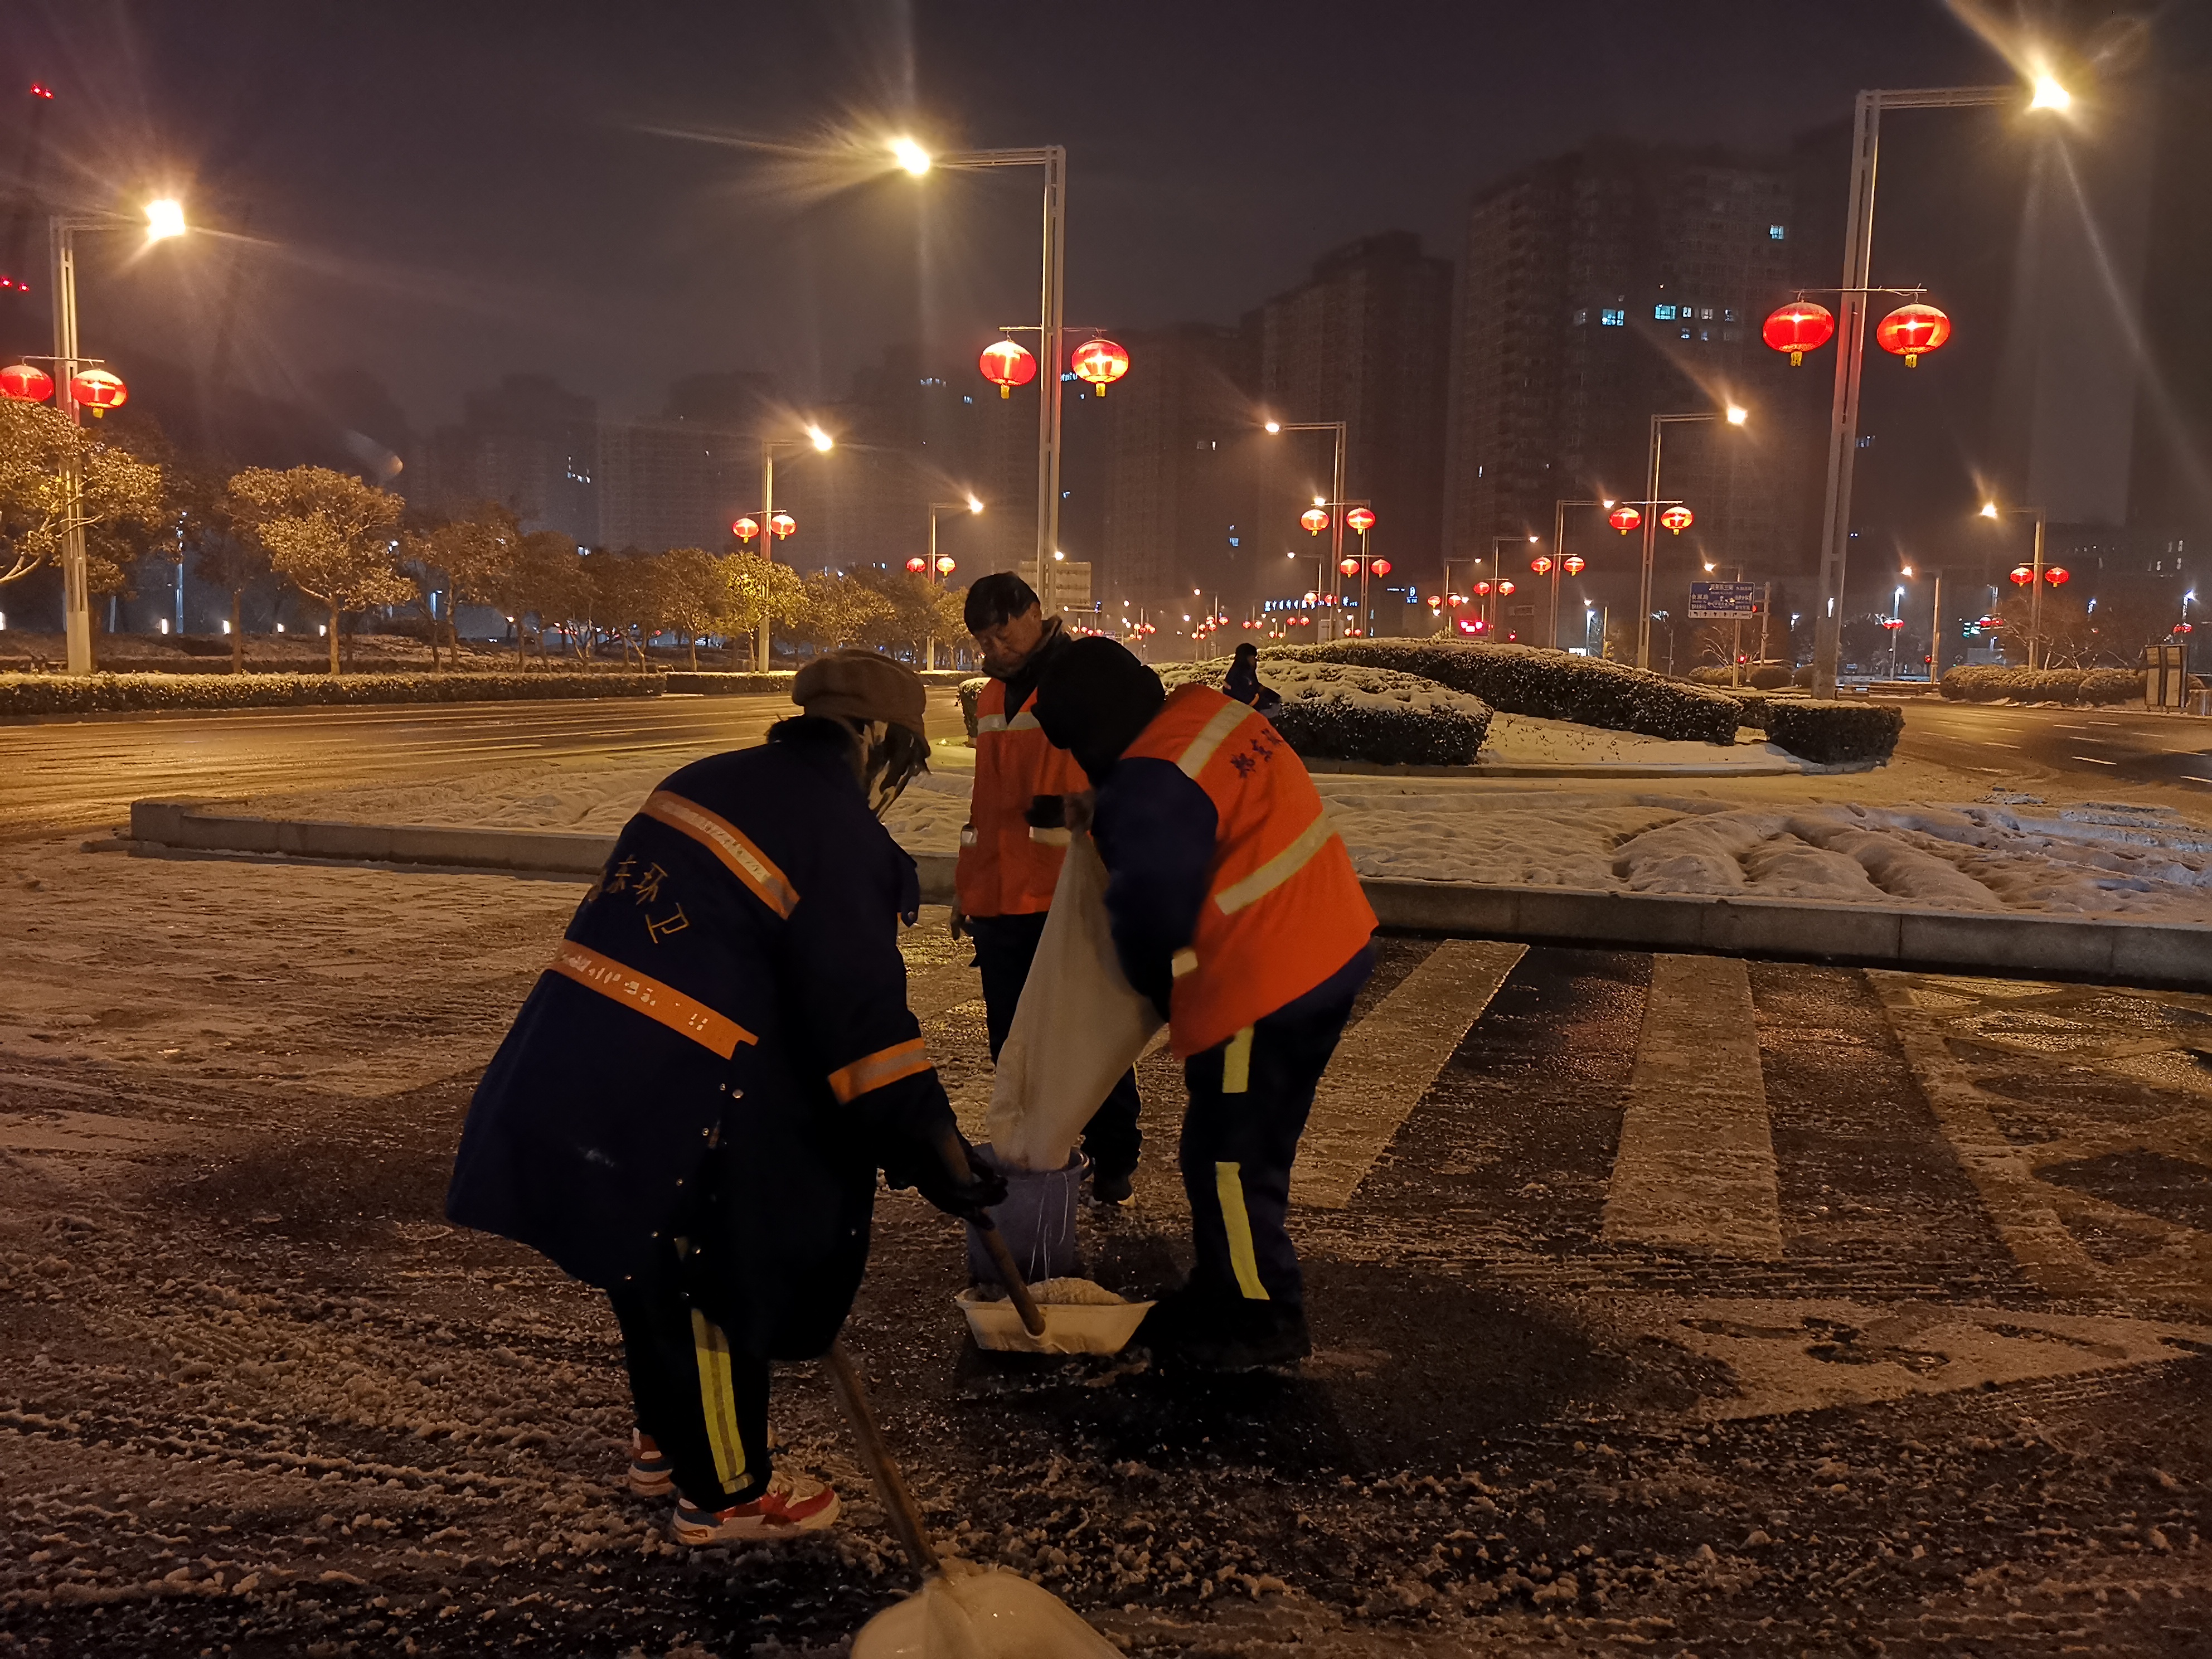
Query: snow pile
[1350, 683]
[1528, 740]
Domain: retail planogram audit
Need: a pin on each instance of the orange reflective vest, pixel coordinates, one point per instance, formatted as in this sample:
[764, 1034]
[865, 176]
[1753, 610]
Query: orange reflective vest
[1007, 868]
[1283, 908]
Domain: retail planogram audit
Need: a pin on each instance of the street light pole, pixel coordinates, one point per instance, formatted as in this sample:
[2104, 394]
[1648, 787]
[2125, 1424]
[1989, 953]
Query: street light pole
[76, 595]
[1558, 553]
[1735, 414]
[1333, 578]
[821, 440]
[1850, 352]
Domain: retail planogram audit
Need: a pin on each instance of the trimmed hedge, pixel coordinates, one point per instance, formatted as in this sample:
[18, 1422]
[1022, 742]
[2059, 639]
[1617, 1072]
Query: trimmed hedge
[1353, 712]
[1756, 676]
[714, 683]
[1830, 733]
[1988, 683]
[1551, 685]
[54, 694]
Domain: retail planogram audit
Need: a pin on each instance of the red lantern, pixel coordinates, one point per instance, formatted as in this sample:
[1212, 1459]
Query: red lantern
[1893, 622]
[1099, 362]
[917, 565]
[1007, 364]
[945, 567]
[1315, 520]
[1573, 564]
[1541, 567]
[2057, 575]
[1910, 330]
[1678, 519]
[1624, 519]
[745, 529]
[27, 383]
[1797, 328]
[1350, 567]
[2185, 627]
[2022, 575]
[782, 523]
[98, 389]
[1482, 588]
[1382, 566]
[1360, 518]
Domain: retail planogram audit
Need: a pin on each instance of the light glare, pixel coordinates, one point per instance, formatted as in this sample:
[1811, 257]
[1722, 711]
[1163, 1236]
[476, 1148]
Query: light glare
[910, 155]
[2050, 94]
[975, 506]
[164, 219]
[820, 439]
[1988, 509]
[1737, 414]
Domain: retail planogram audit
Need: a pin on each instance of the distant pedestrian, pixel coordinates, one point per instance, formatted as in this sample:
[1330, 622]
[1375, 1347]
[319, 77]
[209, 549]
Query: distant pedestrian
[692, 1107]
[1243, 681]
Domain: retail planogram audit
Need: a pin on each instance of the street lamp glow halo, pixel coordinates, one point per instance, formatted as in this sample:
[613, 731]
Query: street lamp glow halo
[1737, 414]
[821, 440]
[1988, 509]
[910, 155]
[165, 218]
[975, 506]
[2049, 93]
[1274, 426]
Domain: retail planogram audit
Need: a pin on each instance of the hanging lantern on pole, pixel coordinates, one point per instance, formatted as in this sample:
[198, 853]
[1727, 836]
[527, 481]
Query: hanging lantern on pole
[745, 529]
[782, 523]
[2022, 575]
[1314, 519]
[1624, 519]
[1505, 588]
[1099, 362]
[27, 383]
[1007, 364]
[1797, 328]
[1350, 567]
[1910, 330]
[1574, 564]
[1360, 518]
[945, 567]
[1382, 566]
[1678, 519]
[2057, 575]
[1541, 567]
[917, 565]
[1482, 588]
[98, 389]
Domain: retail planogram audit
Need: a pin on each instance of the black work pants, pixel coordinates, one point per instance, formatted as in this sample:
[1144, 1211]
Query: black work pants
[1005, 947]
[1249, 1100]
[704, 1404]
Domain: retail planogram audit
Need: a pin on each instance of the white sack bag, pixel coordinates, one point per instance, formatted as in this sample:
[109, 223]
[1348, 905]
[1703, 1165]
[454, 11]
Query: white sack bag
[1079, 1026]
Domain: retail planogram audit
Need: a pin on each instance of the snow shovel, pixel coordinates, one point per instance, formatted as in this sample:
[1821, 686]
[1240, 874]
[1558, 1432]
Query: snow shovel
[961, 1611]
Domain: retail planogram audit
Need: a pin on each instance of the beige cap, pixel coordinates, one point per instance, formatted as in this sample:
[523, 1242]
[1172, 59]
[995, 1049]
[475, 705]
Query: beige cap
[862, 685]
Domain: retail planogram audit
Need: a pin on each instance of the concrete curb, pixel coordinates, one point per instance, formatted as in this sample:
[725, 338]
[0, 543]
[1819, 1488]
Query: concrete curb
[2169, 954]
[1760, 768]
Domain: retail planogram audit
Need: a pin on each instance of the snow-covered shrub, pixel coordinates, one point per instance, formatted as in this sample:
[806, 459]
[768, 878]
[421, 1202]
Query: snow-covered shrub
[1758, 676]
[1348, 711]
[50, 693]
[1990, 683]
[1829, 733]
[1550, 684]
[710, 684]
[971, 691]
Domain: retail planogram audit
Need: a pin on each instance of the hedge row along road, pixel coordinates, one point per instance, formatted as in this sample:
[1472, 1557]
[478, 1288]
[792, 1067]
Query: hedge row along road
[69, 777]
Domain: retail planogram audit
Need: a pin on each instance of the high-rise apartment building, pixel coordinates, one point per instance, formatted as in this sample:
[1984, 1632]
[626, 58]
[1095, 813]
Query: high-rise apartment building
[1595, 291]
[529, 446]
[1363, 341]
[666, 482]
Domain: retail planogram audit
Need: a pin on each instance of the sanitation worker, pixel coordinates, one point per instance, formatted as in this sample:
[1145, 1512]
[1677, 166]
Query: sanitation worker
[1016, 836]
[692, 1105]
[1235, 908]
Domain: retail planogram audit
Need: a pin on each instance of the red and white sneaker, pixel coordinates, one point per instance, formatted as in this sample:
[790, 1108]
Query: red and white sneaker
[650, 1475]
[792, 1505]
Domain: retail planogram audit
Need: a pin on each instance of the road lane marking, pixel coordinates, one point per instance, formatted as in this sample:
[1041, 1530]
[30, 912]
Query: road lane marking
[1385, 1064]
[2093, 760]
[1695, 1171]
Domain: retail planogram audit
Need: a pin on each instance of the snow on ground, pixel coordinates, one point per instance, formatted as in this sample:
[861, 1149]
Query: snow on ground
[1525, 740]
[2143, 862]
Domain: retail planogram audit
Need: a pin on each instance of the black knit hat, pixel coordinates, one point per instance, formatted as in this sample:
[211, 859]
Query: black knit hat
[1094, 700]
[996, 599]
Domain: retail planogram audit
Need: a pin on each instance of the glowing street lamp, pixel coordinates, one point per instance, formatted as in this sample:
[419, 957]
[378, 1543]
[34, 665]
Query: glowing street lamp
[2035, 577]
[164, 219]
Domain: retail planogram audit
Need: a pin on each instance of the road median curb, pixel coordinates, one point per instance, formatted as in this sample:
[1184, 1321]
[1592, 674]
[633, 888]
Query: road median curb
[2174, 954]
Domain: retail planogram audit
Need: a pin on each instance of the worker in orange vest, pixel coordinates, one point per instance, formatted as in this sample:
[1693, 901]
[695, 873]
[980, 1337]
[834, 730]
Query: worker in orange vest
[1236, 909]
[1015, 837]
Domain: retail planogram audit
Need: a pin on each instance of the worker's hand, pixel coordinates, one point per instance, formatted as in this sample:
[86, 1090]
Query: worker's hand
[956, 1182]
[957, 923]
[1080, 811]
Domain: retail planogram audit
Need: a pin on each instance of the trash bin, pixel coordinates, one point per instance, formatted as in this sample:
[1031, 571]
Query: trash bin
[1037, 1221]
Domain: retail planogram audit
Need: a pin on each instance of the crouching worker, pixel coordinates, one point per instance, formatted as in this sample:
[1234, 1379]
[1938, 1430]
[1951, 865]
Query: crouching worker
[1235, 908]
[693, 1104]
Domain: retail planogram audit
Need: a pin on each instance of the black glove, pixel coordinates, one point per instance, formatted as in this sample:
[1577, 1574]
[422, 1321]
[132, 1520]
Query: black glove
[950, 1176]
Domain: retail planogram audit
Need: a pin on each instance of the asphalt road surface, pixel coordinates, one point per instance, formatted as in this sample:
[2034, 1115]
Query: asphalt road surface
[2123, 744]
[64, 776]
[1663, 1305]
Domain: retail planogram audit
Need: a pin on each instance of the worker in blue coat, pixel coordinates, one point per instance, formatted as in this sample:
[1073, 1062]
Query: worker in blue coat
[692, 1105]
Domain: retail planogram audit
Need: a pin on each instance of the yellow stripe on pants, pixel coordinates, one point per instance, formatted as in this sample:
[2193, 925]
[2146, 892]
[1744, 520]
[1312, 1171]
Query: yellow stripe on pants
[1236, 1064]
[1229, 1186]
[718, 1398]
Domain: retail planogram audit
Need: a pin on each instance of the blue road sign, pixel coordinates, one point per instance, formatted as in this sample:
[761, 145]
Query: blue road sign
[1722, 601]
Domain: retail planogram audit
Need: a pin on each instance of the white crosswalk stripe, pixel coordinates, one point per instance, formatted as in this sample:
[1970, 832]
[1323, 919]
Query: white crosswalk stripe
[1385, 1062]
[1695, 1169]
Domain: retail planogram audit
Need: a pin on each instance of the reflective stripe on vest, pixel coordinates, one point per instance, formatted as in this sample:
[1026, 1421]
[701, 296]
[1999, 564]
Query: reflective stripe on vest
[1284, 910]
[850, 1083]
[686, 1015]
[727, 843]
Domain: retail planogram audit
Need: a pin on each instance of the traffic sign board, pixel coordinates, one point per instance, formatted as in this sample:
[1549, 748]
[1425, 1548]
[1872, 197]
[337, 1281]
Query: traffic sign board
[1722, 601]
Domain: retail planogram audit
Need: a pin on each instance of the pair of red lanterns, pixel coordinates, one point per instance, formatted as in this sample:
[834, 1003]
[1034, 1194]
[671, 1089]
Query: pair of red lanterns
[94, 388]
[1804, 325]
[1574, 564]
[1315, 519]
[2023, 576]
[944, 565]
[1625, 518]
[782, 523]
[1350, 567]
[1008, 363]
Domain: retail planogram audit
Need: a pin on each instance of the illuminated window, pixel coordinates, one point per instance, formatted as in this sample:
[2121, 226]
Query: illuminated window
[1613, 317]
[1664, 313]
[1582, 317]
[1705, 313]
[1777, 232]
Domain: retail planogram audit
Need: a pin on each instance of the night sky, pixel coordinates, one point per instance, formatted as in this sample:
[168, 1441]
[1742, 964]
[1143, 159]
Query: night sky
[442, 193]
